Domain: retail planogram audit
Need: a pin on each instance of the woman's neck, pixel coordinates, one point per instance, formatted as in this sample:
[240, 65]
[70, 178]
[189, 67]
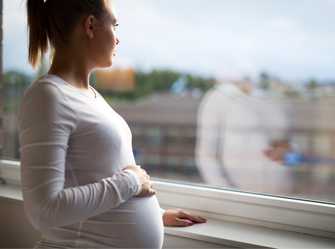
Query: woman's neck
[71, 68]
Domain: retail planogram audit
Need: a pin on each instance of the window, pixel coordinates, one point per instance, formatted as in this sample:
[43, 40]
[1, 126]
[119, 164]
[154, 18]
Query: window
[231, 94]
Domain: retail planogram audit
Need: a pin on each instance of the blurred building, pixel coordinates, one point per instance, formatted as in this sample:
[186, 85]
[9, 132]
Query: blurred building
[326, 89]
[164, 128]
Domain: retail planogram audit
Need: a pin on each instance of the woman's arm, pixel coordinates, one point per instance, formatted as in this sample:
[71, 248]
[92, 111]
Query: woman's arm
[45, 123]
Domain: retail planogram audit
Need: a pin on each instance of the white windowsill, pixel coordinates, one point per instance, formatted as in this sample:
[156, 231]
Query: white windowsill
[225, 232]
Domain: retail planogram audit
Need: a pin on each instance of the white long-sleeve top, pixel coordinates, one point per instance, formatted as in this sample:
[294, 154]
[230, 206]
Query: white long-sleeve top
[234, 130]
[73, 147]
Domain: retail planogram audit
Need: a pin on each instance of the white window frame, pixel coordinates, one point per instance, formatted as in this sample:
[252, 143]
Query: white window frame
[307, 217]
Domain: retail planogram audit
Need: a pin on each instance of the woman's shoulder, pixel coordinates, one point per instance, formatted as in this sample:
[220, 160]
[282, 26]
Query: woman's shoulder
[44, 100]
[46, 81]
[43, 96]
[44, 87]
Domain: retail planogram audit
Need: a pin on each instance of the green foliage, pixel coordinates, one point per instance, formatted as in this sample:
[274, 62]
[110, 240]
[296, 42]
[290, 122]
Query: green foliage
[93, 79]
[158, 81]
[15, 78]
[13, 85]
[312, 85]
[155, 81]
[199, 82]
[264, 82]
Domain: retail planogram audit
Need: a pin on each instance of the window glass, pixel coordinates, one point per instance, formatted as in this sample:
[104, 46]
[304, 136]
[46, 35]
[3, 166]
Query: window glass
[230, 94]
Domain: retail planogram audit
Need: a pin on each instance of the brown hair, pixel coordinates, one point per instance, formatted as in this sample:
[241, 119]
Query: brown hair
[50, 22]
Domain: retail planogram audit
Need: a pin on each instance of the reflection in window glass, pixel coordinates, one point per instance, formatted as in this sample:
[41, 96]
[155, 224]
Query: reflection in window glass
[233, 94]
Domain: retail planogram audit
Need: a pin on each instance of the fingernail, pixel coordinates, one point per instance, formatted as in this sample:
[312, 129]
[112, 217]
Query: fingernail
[189, 222]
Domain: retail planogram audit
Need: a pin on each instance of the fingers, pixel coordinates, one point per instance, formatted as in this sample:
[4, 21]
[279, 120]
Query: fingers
[147, 193]
[146, 184]
[194, 218]
[133, 167]
[152, 191]
[183, 222]
[147, 189]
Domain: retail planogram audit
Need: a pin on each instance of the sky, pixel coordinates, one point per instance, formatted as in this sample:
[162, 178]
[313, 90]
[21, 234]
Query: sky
[293, 40]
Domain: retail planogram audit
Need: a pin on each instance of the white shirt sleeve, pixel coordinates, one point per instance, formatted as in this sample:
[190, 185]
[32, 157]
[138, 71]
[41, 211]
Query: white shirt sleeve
[136, 178]
[209, 134]
[46, 122]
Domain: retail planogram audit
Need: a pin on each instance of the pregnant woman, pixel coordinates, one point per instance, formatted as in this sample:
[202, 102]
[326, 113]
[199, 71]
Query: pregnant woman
[80, 182]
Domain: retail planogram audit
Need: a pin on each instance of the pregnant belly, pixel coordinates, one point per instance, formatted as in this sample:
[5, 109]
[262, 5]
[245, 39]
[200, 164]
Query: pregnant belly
[136, 223]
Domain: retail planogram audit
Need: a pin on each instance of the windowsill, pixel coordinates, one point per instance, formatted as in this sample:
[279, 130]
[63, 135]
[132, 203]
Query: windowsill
[225, 232]
[244, 235]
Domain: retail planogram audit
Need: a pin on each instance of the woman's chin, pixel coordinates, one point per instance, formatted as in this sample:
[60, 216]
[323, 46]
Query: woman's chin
[107, 64]
[110, 61]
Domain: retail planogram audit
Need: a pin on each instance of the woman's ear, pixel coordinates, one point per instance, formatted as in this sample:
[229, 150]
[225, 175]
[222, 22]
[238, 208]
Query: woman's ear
[89, 24]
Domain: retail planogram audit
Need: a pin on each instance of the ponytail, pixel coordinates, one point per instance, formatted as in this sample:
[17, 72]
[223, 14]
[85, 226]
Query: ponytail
[50, 23]
[37, 30]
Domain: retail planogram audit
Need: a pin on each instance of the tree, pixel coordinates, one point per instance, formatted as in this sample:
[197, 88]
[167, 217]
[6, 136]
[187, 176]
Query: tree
[14, 84]
[157, 81]
[265, 81]
[312, 85]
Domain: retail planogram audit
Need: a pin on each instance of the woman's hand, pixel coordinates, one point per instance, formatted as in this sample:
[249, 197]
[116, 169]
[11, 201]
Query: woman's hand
[180, 218]
[277, 150]
[146, 184]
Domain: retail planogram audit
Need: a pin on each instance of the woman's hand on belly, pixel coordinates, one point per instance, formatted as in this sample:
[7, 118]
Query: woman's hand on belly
[181, 218]
[144, 181]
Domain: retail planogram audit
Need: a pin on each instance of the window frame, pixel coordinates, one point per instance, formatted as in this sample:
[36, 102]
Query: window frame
[313, 218]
